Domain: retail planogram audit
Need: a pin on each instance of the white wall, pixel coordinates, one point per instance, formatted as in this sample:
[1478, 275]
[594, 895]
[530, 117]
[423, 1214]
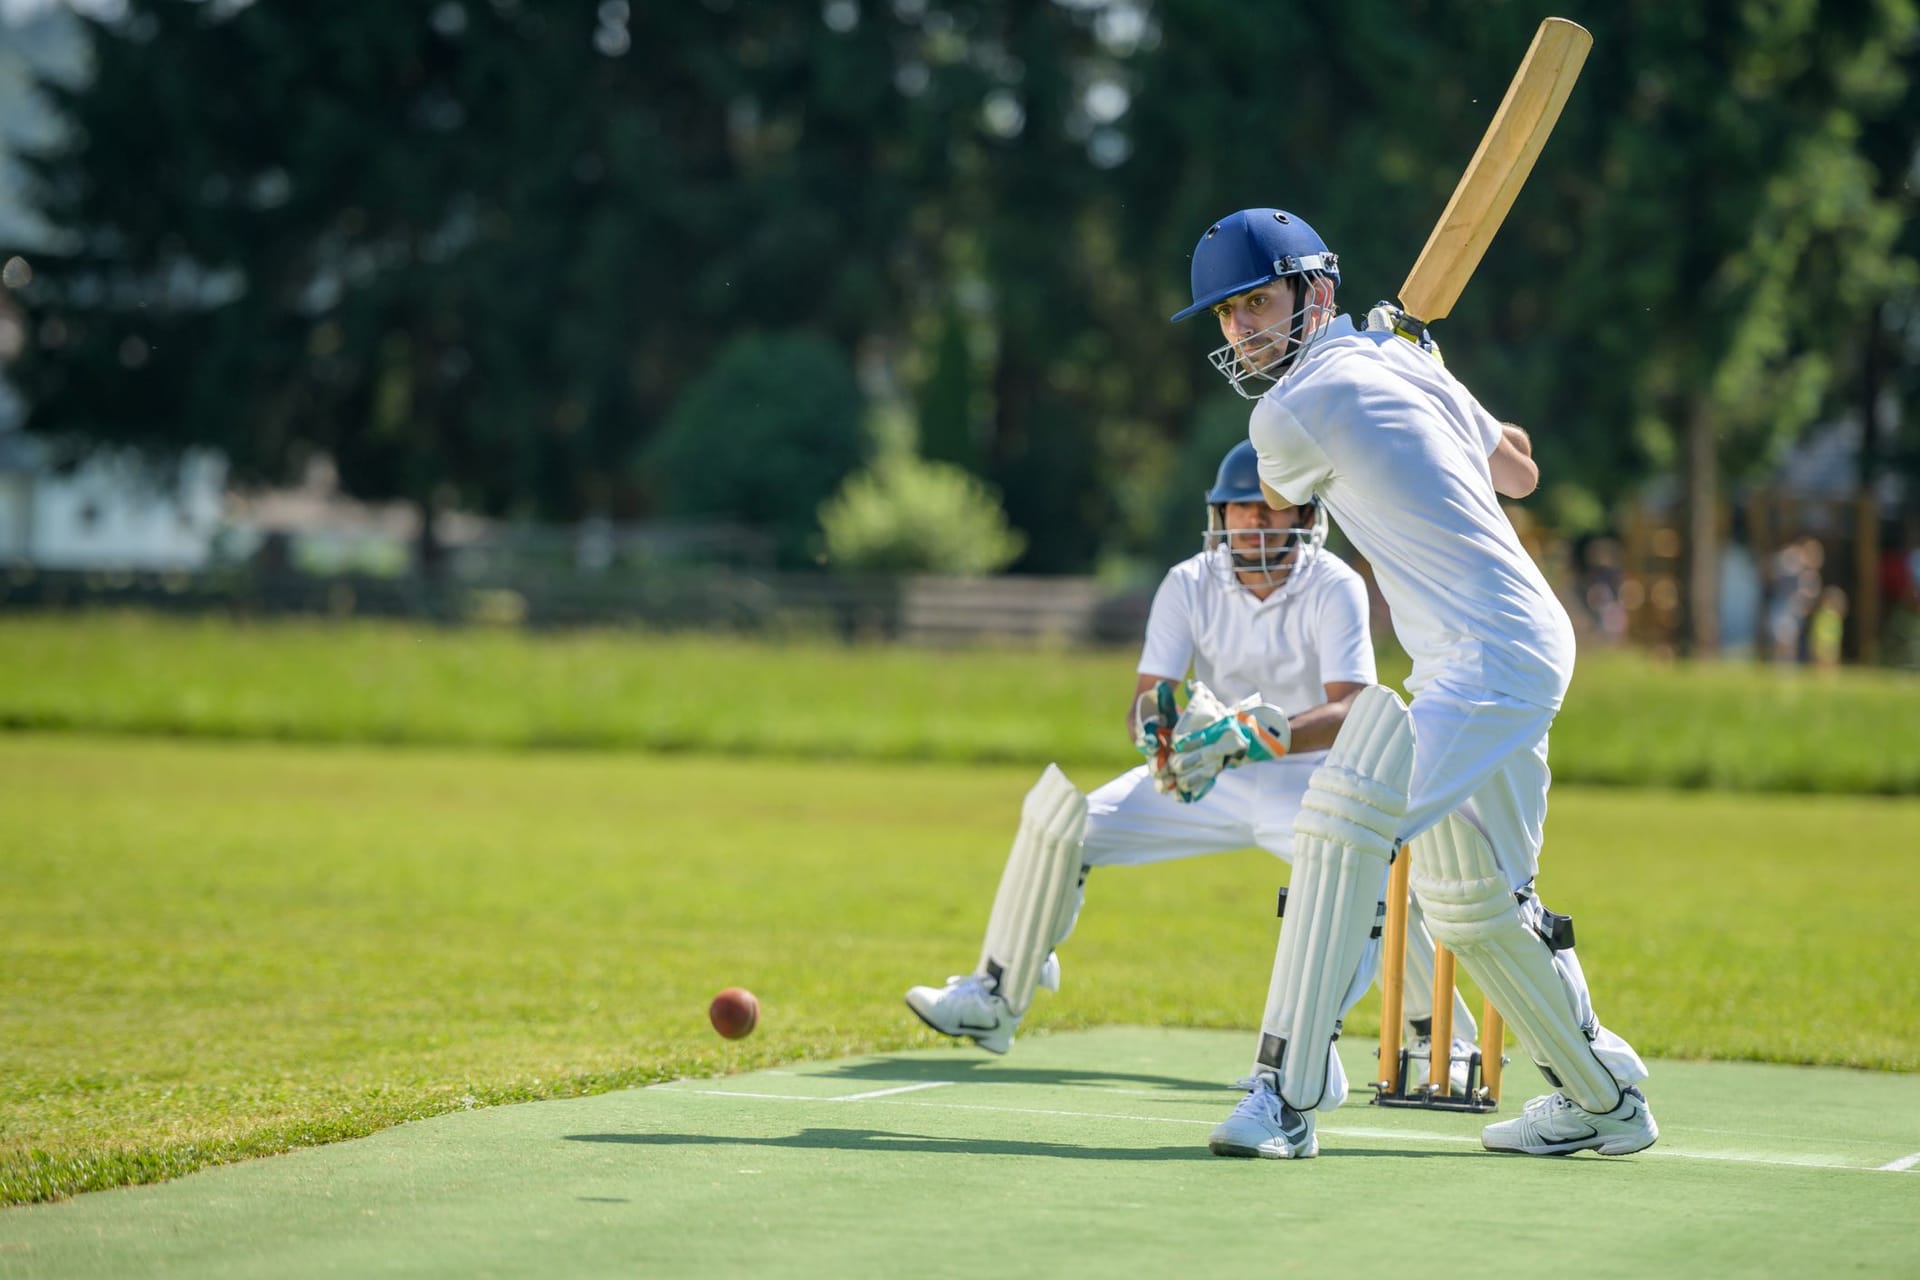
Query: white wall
[111, 513]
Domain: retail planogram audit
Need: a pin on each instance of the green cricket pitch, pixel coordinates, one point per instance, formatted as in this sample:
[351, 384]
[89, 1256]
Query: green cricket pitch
[1080, 1153]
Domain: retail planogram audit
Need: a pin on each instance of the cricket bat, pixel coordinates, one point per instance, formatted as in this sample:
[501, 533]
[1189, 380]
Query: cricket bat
[1495, 174]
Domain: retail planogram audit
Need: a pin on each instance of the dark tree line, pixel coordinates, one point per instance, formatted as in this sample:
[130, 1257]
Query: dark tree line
[481, 251]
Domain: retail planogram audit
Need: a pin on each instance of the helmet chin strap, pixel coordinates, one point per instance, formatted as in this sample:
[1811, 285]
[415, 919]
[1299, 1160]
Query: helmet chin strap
[1307, 305]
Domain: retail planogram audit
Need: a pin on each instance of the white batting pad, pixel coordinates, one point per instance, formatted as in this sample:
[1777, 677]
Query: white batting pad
[1342, 844]
[1036, 896]
[1471, 909]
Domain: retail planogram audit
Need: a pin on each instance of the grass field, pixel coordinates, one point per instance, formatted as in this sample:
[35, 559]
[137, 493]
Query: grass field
[1628, 721]
[217, 950]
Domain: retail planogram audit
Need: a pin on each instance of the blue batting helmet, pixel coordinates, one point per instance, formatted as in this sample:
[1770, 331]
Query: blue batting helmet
[1239, 477]
[1254, 247]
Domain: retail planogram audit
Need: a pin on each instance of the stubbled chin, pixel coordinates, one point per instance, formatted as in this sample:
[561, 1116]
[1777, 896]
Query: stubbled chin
[1261, 364]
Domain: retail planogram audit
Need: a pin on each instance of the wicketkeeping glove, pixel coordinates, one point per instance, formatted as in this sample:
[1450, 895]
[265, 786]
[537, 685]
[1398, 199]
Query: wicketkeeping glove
[1224, 738]
[1154, 716]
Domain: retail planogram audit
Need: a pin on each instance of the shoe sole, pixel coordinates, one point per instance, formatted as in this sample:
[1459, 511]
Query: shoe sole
[1622, 1145]
[1237, 1151]
[958, 1035]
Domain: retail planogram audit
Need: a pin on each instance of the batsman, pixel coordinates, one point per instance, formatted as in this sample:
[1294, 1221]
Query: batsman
[1373, 426]
[1275, 631]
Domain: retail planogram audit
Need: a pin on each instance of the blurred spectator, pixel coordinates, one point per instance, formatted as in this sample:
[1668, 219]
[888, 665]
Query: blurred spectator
[274, 556]
[1900, 599]
[1826, 627]
[1794, 592]
[1601, 592]
[1741, 595]
[1898, 589]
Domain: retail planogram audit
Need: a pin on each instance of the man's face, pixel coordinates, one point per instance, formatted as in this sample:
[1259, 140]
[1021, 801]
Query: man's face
[1269, 556]
[1257, 324]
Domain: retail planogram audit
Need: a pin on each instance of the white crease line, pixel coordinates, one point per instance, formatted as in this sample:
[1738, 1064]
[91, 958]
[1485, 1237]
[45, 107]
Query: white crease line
[1396, 1135]
[742, 1093]
[881, 1093]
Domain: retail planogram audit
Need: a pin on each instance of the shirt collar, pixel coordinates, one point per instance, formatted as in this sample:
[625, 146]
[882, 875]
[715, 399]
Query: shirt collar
[1341, 326]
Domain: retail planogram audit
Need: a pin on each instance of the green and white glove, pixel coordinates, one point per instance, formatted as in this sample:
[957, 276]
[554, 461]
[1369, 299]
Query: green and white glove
[1216, 737]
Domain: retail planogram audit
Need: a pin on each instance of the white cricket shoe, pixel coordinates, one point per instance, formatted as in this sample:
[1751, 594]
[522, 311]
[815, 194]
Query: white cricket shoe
[967, 1006]
[1420, 1050]
[1264, 1125]
[1555, 1125]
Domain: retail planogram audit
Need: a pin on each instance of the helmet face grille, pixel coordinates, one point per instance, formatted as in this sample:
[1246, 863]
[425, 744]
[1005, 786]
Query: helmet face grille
[1263, 558]
[1258, 362]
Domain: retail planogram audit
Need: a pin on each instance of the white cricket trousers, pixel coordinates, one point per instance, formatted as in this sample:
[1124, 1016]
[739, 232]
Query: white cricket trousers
[1129, 823]
[1485, 754]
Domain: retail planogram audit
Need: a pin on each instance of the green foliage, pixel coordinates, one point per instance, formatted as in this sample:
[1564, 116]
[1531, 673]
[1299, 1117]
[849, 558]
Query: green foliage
[1218, 427]
[219, 951]
[771, 429]
[949, 416]
[474, 252]
[908, 515]
[323, 257]
[1629, 721]
[479, 260]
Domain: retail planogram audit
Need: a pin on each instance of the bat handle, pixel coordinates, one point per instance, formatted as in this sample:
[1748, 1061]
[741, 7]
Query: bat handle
[1410, 327]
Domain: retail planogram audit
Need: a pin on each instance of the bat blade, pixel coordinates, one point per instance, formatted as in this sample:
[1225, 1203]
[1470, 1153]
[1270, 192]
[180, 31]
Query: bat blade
[1498, 170]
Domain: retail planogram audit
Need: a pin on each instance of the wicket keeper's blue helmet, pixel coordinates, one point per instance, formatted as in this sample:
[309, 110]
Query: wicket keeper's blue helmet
[1239, 477]
[1258, 557]
[1254, 247]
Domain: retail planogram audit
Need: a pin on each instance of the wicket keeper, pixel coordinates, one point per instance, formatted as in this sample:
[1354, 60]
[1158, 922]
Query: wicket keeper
[1274, 628]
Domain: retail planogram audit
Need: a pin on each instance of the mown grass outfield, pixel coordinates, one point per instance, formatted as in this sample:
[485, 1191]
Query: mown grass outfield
[217, 946]
[1629, 721]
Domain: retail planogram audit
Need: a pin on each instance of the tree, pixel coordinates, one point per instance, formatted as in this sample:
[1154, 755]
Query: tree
[1663, 292]
[949, 395]
[1744, 121]
[909, 515]
[762, 437]
[477, 251]
[471, 251]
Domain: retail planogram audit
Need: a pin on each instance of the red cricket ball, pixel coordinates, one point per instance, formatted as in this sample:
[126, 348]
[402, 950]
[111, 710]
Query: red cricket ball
[734, 1012]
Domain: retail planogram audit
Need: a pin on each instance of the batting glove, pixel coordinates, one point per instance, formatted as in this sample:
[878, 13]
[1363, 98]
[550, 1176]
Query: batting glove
[1388, 318]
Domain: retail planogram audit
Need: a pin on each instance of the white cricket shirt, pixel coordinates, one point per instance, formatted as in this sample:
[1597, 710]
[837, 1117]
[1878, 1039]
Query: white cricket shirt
[1398, 449]
[1287, 648]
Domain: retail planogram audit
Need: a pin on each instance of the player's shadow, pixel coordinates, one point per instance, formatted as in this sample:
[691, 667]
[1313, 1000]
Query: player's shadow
[878, 1140]
[962, 1069]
